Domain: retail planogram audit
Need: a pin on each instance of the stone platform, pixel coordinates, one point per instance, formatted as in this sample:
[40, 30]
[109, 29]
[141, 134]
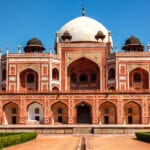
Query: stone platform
[76, 129]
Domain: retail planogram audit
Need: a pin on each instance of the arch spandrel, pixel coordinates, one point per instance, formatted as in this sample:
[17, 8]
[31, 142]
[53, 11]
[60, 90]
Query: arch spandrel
[78, 102]
[92, 56]
[22, 67]
[133, 67]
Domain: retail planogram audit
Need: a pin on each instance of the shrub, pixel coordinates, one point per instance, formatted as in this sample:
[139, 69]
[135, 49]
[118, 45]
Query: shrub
[13, 139]
[143, 136]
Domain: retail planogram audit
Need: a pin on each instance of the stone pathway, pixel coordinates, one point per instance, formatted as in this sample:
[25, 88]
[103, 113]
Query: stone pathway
[112, 142]
[48, 142]
[94, 142]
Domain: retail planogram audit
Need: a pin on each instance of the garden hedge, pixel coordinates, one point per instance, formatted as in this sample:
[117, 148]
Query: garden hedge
[143, 136]
[8, 139]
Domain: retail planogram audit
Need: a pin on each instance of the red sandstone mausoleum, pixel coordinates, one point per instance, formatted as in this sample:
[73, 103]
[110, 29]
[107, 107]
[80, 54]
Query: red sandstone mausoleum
[83, 82]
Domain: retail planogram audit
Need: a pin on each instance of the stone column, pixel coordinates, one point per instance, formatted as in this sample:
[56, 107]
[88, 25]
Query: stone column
[120, 111]
[23, 111]
[47, 112]
[144, 111]
[71, 114]
[95, 111]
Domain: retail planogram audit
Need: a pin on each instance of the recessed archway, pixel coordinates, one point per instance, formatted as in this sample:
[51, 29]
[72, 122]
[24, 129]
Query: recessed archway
[83, 74]
[108, 113]
[28, 80]
[59, 113]
[83, 113]
[35, 113]
[139, 79]
[132, 112]
[11, 113]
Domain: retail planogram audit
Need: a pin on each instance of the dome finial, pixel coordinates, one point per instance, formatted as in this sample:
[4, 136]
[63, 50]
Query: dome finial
[83, 10]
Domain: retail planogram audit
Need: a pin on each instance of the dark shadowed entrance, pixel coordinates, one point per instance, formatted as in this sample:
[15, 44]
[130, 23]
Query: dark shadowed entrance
[83, 114]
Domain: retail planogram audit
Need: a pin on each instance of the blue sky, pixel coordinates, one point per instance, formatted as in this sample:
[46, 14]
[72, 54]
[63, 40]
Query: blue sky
[20, 20]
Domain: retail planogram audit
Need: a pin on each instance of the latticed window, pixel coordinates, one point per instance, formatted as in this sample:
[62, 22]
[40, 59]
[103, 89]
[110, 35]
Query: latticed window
[106, 111]
[60, 111]
[30, 78]
[111, 74]
[73, 77]
[14, 111]
[93, 77]
[37, 111]
[83, 77]
[55, 74]
[130, 110]
[4, 74]
[137, 77]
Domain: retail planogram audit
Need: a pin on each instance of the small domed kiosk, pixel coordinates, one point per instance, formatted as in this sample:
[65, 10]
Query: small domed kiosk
[133, 44]
[34, 45]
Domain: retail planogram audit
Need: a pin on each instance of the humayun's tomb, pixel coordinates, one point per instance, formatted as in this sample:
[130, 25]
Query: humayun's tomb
[83, 82]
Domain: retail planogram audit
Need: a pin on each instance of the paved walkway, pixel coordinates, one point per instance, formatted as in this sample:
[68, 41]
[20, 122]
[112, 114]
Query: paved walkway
[49, 142]
[70, 142]
[111, 142]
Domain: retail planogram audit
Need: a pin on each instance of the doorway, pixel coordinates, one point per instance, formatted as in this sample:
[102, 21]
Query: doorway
[106, 120]
[14, 120]
[130, 120]
[83, 114]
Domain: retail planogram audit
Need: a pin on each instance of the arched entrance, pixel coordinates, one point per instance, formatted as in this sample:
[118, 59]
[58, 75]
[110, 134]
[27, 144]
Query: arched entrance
[28, 80]
[132, 113]
[139, 79]
[83, 113]
[59, 113]
[108, 113]
[35, 113]
[11, 113]
[83, 74]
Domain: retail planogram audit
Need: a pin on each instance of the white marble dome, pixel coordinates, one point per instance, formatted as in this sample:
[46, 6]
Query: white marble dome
[84, 29]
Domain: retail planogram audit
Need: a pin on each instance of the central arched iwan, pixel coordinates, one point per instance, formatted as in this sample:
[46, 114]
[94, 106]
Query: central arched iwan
[83, 74]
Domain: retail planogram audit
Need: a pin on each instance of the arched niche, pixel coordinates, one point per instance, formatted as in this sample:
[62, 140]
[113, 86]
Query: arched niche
[139, 79]
[132, 112]
[59, 117]
[83, 74]
[11, 113]
[35, 113]
[28, 80]
[108, 113]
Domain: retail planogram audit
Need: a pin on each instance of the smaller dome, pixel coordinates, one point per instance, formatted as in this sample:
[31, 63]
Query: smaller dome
[133, 44]
[34, 45]
[133, 40]
[34, 42]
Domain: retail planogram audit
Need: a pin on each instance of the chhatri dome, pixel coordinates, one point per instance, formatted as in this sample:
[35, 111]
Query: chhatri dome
[83, 28]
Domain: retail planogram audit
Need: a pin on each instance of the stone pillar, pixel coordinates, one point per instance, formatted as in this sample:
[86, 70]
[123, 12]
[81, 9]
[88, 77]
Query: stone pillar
[23, 111]
[22, 120]
[120, 112]
[71, 113]
[95, 111]
[144, 111]
[47, 112]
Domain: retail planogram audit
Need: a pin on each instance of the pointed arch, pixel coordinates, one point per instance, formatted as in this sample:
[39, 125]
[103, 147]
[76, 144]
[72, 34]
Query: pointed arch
[11, 113]
[58, 117]
[55, 88]
[83, 74]
[108, 113]
[134, 116]
[55, 74]
[83, 112]
[28, 79]
[33, 116]
[111, 74]
[139, 78]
